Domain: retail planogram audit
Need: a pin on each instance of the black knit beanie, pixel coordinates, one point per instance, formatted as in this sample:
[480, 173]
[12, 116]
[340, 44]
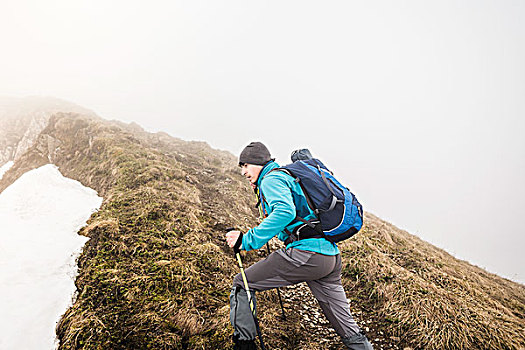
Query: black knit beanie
[255, 153]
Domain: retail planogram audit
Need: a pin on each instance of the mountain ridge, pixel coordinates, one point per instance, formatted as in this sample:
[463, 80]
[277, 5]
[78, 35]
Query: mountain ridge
[156, 270]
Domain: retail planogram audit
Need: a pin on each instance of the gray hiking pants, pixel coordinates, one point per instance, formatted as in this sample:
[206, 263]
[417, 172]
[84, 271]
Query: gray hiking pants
[286, 267]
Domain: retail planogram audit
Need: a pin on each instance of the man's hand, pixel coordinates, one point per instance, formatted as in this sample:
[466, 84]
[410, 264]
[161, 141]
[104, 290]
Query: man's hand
[232, 237]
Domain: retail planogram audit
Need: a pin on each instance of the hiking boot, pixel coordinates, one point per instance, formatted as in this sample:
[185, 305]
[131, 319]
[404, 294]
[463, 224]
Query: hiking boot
[357, 342]
[243, 344]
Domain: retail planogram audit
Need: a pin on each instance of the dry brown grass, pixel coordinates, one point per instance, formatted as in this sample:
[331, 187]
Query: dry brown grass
[428, 298]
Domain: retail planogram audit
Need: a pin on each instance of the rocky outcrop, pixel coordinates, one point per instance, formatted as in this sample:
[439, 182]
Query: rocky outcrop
[23, 119]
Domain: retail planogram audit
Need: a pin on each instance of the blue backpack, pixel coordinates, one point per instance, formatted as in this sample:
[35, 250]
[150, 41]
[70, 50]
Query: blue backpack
[339, 213]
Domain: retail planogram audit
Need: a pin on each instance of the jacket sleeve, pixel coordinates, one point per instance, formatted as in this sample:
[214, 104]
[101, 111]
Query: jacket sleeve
[281, 208]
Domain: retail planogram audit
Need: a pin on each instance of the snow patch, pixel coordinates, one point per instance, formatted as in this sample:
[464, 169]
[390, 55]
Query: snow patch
[40, 215]
[5, 168]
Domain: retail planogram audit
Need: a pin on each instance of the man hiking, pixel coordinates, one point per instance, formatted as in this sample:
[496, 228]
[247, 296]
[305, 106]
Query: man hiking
[314, 260]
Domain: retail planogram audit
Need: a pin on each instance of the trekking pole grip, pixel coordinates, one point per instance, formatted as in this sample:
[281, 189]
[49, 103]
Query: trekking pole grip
[238, 243]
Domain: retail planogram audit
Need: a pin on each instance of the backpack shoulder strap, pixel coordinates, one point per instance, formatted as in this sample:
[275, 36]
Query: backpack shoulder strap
[284, 170]
[307, 197]
[260, 196]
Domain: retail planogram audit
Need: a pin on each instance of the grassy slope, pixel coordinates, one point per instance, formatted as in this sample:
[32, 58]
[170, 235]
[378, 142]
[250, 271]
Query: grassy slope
[156, 272]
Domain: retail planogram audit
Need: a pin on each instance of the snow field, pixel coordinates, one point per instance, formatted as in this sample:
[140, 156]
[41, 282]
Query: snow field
[40, 215]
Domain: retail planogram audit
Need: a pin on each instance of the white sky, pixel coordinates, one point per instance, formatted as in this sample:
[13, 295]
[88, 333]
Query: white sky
[417, 105]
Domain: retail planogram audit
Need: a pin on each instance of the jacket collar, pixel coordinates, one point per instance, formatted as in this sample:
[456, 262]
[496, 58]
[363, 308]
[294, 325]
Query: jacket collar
[265, 170]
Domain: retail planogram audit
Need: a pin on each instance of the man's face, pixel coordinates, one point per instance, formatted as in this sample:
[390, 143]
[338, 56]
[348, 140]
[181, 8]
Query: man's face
[251, 172]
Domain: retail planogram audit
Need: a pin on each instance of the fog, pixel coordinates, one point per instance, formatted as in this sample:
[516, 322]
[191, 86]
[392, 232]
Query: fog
[418, 106]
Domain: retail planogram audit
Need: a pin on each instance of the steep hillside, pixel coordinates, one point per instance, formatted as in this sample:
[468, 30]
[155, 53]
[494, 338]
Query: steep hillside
[156, 272]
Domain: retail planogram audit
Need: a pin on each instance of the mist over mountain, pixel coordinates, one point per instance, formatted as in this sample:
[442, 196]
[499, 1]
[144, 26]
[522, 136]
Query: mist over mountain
[22, 120]
[156, 272]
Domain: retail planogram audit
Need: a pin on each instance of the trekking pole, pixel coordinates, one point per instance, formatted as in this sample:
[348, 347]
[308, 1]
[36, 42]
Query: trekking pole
[237, 252]
[261, 216]
[278, 291]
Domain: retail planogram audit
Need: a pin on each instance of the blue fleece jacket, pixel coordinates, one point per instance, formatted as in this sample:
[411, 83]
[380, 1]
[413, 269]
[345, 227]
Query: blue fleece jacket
[284, 199]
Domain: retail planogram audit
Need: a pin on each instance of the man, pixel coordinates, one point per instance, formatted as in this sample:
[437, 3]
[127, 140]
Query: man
[313, 260]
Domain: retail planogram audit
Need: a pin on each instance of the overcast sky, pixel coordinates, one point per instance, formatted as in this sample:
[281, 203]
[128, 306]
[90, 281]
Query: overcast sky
[418, 106]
